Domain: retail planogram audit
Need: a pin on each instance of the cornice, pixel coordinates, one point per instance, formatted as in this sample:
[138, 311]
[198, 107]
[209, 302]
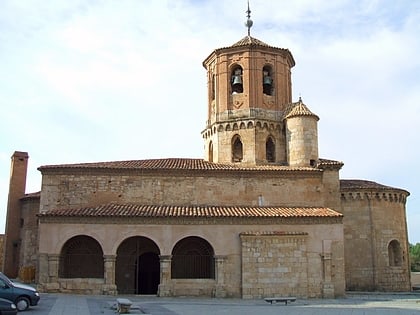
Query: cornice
[388, 196]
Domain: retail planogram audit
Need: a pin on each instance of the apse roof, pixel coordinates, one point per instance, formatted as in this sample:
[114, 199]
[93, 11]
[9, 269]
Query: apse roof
[170, 211]
[353, 184]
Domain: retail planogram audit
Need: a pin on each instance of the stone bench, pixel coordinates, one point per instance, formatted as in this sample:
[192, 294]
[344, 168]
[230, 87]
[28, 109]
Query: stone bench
[284, 299]
[124, 306]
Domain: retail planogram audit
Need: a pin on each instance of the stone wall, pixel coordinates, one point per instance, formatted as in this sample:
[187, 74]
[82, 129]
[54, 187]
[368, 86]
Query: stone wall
[284, 188]
[253, 134]
[302, 140]
[275, 265]
[415, 279]
[29, 239]
[371, 221]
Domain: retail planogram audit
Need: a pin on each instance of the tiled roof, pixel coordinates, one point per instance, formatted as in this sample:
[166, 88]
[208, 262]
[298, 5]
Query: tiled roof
[298, 109]
[173, 164]
[270, 233]
[332, 164]
[352, 184]
[158, 211]
[253, 42]
[249, 40]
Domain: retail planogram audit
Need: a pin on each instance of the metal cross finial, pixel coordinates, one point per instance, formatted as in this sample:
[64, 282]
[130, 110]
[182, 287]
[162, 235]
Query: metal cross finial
[248, 22]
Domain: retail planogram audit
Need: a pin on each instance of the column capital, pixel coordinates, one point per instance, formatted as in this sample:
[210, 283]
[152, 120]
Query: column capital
[53, 256]
[165, 257]
[220, 257]
[110, 257]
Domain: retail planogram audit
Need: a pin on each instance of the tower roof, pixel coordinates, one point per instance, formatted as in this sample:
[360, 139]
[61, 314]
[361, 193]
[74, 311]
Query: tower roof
[249, 42]
[298, 109]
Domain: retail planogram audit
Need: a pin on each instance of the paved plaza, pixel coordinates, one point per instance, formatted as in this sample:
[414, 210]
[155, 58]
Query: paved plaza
[354, 303]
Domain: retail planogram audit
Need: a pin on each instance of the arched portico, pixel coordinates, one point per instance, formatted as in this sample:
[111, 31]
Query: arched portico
[81, 257]
[137, 267]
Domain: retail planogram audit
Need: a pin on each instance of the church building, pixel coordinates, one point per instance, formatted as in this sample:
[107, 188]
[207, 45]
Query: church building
[260, 215]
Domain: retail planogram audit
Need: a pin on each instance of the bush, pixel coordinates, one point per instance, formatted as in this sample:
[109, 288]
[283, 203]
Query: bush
[415, 256]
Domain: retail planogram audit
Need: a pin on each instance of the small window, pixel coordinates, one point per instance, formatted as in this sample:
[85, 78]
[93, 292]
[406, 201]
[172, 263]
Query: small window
[394, 253]
[270, 150]
[213, 86]
[211, 151]
[237, 150]
[236, 80]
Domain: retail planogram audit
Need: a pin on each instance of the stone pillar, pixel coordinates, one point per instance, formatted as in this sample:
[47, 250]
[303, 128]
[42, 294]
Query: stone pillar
[220, 290]
[53, 261]
[165, 286]
[42, 269]
[327, 285]
[109, 288]
[52, 284]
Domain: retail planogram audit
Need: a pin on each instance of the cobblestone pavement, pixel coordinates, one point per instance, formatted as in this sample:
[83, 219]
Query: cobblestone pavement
[354, 303]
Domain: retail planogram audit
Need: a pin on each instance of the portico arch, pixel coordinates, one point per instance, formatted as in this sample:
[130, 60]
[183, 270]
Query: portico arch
[137, 268]
[81, 257]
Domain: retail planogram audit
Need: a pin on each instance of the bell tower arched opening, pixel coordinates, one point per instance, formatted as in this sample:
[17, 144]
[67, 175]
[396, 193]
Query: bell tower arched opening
[236, 82]
[268, 86]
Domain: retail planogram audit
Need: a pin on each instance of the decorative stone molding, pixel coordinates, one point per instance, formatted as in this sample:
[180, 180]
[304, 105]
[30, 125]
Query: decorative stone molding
[371, 195]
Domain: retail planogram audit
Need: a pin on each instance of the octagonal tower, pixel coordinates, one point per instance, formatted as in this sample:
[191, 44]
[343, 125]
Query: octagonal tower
[249, 87]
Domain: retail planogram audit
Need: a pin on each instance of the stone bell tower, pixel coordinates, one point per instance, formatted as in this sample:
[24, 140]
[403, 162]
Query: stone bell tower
[249, 93]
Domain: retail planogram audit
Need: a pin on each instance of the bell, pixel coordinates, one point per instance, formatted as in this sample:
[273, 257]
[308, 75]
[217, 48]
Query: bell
[267, 85]
[236, 79]
[267, 80]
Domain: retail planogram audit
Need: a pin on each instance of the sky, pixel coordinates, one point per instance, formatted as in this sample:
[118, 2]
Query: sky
[91, 81]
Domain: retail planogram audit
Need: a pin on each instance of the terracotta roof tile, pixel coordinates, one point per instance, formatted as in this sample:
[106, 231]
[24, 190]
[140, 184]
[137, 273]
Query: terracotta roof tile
[298, 109]
[252, 42]
[352, 184]
[173, 164]
[158, 211]
[249, 40]
[270, 233]
[329, 164]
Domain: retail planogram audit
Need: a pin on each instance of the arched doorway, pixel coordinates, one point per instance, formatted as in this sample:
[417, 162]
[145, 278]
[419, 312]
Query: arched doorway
[137, 267]
[148, 276]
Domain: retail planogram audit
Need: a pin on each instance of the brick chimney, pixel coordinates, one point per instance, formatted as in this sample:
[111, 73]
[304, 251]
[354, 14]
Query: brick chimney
[19, 166]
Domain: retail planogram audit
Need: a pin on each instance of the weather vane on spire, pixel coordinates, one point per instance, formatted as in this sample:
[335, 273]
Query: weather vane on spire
[248, 22]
